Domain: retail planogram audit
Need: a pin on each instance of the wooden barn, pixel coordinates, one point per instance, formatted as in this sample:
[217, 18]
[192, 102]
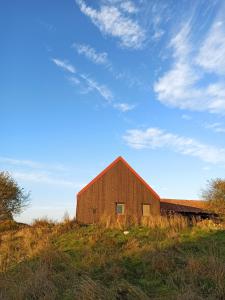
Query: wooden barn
[119, 191]
[116, 191]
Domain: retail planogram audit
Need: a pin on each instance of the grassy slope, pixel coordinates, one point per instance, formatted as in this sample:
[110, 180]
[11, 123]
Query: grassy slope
[72, 262]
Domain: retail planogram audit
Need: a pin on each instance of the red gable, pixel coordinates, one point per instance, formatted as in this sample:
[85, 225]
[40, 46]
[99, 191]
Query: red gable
[129, 167]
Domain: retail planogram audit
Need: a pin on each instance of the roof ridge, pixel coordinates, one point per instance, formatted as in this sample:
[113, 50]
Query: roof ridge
[119, 158]
[100, 174]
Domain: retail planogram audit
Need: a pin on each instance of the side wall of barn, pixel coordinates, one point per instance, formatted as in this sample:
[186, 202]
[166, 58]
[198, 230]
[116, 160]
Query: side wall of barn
[118, 185]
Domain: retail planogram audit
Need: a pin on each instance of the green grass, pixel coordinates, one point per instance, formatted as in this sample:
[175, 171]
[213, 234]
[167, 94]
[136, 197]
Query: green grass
[73, 262]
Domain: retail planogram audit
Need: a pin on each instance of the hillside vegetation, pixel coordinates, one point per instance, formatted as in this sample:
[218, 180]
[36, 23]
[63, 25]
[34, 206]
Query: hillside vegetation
[160, 259]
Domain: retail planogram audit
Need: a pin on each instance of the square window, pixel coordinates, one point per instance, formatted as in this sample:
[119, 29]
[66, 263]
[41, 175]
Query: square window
[146, 210]
[120, 207]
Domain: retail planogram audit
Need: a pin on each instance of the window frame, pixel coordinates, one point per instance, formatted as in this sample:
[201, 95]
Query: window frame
[123, 208]
[149, 205]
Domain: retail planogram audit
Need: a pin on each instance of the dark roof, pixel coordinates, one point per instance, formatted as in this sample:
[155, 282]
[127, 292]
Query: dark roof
[183, 206]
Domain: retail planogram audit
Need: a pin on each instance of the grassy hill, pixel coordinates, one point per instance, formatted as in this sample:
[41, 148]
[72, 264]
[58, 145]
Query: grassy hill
[159, 260]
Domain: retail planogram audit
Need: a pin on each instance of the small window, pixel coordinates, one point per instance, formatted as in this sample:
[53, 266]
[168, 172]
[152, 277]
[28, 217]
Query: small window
[146, 210]
[120, 208]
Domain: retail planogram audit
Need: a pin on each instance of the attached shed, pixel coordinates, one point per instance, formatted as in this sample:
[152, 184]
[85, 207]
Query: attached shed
[186, 208]
[117, 191]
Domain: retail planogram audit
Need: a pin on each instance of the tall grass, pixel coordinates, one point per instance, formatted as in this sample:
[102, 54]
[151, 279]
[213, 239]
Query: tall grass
[118, 259]
[175, 222]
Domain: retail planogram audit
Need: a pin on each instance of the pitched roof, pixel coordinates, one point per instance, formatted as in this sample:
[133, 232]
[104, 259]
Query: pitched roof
[120, 158]
[194, 203]
[192, 206]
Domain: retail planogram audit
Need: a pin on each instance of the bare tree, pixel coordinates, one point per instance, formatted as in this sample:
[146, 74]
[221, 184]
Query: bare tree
[13, 198]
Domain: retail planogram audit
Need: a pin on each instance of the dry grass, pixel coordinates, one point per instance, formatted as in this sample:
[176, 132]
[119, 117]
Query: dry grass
[160, 258]
[175, 222]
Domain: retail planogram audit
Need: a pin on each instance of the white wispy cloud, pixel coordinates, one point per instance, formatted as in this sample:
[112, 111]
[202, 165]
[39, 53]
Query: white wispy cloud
[216, 127]
[186, 117]
[101, 58]
[74, 80]
[124, 106]
[155, 15]
[37, 172]
[106, 93]
[158, 33]
[212, 52]
[88, 84]
[44, 178]
[180, 43]
[111, 20]
[175, 88]
[155, 138]
[20, 162]
[156, 24]
[64, 64]
[129, 7]
[30, 163]
[89, 52]
[184, 85]
[103, 90]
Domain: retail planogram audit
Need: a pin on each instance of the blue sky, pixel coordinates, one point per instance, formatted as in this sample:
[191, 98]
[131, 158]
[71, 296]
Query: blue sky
[83, 82]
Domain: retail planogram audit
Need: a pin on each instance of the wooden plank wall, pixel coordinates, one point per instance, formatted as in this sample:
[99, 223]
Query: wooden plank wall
[120, 185]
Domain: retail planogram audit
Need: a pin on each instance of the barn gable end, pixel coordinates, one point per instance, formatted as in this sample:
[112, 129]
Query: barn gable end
[118, 183]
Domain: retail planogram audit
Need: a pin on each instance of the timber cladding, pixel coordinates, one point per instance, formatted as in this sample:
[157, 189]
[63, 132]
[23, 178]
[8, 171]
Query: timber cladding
[117, 184]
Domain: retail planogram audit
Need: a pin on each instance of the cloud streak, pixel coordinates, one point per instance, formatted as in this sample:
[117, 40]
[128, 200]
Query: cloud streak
[212, 51]
[29, 164]
[124, 106]
[111, 20]
[100, 58]
[103, 90]
[37, 172]
[155, 138]
[216, 127]
[88, 84]
[128, 7]
[185, 84]
[19, 162]
[44, 178]
[64, 64]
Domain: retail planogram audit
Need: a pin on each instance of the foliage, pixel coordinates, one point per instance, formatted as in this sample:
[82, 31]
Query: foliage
[161, 259]
[13, 199]
[8, 225]
[215, 195]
